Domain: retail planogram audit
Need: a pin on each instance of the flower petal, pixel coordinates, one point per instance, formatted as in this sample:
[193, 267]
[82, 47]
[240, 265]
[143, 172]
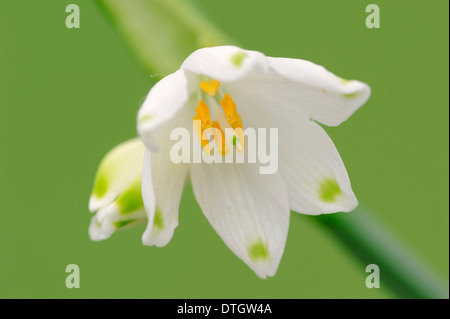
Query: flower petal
[148, 197]
[163, 103]
[249, 211]
[311, 166]
[101, 229]
[303, 88]
[162, 186]
[317, 180]
[328, 98]
[127, 206]
[224, 63]
[118, 170]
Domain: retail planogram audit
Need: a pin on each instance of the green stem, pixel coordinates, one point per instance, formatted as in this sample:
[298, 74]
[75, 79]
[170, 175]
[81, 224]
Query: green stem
[162, 33]
[371, 243]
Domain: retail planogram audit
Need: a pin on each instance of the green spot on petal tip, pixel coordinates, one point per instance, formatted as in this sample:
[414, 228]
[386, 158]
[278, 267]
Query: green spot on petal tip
[238, 58]
[258, 251]
[145, 118]
[344, 81]
[158, 222]
[123, 223]
[100, 186]
[131, 199]
[329, 190]
[350, 95]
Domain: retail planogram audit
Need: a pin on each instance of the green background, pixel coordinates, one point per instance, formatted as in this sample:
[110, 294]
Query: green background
[67, 96]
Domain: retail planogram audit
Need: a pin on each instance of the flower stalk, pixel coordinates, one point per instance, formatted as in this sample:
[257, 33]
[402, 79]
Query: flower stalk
[161, 33]
[371, 243]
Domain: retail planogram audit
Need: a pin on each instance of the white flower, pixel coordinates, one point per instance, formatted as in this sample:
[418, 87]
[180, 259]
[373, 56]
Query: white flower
[225, 87]
[116, 198]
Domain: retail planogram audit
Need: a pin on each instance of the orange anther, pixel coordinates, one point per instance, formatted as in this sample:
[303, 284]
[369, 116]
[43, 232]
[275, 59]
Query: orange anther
[229, 107]
[202, 112]
[233, 118]
[199, 129]
[210, 87]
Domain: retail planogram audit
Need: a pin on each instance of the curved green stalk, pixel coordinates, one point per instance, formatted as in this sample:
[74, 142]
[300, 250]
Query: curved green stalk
[371, 243]
[162, 33]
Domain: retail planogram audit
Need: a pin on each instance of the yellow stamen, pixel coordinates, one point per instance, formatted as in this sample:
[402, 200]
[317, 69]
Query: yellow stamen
[199, 130]
[229, 107]
[202, 112]
[219, 138]
[233, 118]
[202, 123]
[210, 87]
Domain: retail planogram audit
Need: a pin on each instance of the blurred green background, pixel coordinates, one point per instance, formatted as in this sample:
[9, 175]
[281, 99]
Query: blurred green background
[67, 96]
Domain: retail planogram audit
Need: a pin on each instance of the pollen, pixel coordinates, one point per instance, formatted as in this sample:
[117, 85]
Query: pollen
[210, 87]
